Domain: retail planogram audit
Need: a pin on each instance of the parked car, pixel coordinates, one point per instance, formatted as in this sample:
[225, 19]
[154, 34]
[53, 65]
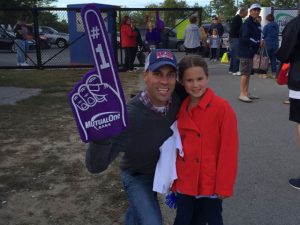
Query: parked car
[44, 43]
[7, 41]
[55, 37]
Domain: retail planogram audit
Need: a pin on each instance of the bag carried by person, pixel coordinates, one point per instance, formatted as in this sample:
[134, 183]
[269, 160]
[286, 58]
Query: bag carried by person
[225, 58]
[141, 54]
[261, 61]
[141, 58]
[282, 77]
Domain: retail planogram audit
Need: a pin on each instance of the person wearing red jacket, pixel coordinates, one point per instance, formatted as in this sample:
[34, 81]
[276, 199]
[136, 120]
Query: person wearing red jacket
[208, 129]
[128, 42]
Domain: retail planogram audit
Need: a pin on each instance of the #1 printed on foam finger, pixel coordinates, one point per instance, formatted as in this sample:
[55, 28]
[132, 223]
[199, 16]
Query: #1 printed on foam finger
[97, 101]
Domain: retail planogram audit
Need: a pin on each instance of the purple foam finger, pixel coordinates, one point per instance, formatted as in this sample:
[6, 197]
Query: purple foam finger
[79, 102]
[97, 101]
[101, 47]
[86, 95]
[101, 119]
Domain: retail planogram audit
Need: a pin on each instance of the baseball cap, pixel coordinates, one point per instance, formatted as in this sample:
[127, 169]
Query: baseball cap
[158, 58]
[255, 6]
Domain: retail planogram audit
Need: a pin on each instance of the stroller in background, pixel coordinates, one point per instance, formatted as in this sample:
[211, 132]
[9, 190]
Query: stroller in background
[142, 53]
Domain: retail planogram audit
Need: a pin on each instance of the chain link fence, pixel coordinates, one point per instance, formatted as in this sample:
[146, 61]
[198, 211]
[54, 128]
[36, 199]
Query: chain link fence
[56, 37]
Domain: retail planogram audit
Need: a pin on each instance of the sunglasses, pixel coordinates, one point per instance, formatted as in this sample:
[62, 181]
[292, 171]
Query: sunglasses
[256, 9]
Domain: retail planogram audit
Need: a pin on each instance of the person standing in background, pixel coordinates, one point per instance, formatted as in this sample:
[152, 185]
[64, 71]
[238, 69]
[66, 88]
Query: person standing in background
[139, 41]
[271, 40]
[234, 35]
[203, 40]
[216, 25]
[128, 43]
[289, 52]
[249, 43]
[214, 43]
[192, 37]
[21, 30]
[153, 37]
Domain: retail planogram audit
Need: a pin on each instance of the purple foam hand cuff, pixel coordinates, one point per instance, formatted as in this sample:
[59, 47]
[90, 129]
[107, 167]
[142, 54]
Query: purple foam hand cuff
[97, 101]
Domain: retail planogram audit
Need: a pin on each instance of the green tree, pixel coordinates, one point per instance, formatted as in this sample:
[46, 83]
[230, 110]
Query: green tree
[207, 13]
[10, 16]
[263, 3]
[25, 3]
[224, 9]
[275, 3]
[44, 17]
[170, 17]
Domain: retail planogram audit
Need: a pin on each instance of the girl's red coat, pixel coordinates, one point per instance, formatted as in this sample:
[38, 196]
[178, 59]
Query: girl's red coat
[128, 36]
[210, 142]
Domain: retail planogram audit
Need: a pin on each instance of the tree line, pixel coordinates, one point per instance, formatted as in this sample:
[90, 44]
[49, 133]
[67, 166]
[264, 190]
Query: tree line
[224, 9]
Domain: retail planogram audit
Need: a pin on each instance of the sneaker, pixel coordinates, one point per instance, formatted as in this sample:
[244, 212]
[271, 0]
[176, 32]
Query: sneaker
[238, 73]
[263, 76]
[270, 76]
[243, 98]
[24, 64]
[286, 102]
[295, 183]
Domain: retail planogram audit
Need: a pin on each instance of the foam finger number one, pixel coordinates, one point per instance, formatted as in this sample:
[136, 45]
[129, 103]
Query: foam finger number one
[97, 101]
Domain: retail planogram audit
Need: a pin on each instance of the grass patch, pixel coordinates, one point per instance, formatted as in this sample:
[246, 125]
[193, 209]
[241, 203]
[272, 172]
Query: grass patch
[44, 79]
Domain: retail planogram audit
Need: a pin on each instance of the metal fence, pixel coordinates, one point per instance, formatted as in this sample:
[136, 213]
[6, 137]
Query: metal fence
[58, 39]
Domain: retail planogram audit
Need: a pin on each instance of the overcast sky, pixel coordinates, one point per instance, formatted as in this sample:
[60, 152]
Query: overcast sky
[129, 4]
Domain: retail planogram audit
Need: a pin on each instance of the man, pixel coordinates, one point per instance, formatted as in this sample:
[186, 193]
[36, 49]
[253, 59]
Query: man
[249, 42]
[216, 25]
[289, 52]
[151, 113]
[234, 34]
[21, 31]
[139, 44]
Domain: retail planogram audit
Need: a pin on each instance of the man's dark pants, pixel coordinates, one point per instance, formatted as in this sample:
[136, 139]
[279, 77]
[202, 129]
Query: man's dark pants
[234, 61]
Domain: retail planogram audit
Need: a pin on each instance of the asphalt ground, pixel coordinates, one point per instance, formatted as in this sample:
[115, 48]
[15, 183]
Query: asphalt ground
[268, 153]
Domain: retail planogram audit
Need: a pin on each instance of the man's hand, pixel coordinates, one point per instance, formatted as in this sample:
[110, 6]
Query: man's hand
[262, 43]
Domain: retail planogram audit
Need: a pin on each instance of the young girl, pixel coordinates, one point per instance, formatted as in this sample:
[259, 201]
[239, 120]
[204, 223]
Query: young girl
[214, 43]
[208, 129]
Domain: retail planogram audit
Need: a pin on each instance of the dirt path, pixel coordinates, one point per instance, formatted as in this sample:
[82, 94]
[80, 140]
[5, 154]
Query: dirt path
[43, 179]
